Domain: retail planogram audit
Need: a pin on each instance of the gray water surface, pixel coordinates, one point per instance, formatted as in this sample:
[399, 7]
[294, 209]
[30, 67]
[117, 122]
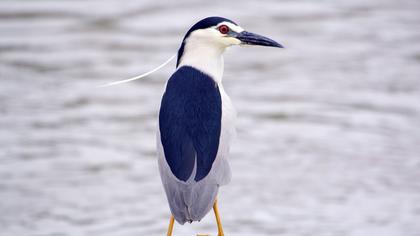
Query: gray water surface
[328, 129]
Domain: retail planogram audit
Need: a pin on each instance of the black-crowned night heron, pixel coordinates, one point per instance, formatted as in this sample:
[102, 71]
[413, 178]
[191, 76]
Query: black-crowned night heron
[196, 120]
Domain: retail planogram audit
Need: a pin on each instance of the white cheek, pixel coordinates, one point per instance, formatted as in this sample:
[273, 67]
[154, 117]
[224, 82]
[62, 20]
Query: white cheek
[203, 33]
[231, 41]
[206, 35]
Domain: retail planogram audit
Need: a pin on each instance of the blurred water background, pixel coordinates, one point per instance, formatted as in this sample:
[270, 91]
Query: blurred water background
[328, 129]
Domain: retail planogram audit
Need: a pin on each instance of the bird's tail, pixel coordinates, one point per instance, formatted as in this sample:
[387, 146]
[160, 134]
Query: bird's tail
[192, 203]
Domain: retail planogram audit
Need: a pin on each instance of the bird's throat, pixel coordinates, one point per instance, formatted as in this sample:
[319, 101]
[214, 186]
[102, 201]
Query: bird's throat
[206, 58]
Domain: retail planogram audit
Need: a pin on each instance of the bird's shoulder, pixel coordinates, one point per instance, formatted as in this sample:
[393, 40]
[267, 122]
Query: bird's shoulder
[188, 76]
[187, 90]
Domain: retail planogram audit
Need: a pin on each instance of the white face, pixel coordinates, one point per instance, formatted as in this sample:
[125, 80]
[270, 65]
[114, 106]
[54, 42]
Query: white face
[220, 35]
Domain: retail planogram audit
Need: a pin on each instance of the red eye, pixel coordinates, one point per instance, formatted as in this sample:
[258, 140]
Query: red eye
[224, 29]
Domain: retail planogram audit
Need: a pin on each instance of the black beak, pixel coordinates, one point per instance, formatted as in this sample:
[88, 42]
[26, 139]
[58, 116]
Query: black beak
[255, 39]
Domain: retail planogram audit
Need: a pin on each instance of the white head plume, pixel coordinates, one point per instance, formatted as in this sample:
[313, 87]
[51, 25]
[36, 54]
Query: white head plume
[139, 76]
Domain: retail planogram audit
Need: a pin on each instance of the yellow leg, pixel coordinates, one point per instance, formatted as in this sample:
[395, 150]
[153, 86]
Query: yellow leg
[219, 223]
[171, 226]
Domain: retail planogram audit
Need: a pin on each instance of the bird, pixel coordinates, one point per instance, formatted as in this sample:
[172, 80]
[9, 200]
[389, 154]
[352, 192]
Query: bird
[196, 121]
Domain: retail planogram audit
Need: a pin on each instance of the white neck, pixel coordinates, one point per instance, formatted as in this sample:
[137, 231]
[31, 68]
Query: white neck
[206, 57]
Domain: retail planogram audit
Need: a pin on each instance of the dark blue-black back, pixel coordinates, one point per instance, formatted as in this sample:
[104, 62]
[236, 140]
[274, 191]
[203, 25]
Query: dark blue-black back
[190, 122]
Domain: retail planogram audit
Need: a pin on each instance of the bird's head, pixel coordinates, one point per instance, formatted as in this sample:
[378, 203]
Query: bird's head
[219, 33]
